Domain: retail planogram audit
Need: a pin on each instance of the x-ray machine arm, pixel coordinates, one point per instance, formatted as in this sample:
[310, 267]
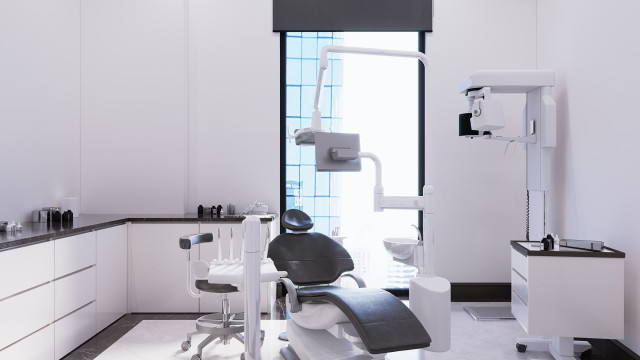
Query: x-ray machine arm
[430, 295]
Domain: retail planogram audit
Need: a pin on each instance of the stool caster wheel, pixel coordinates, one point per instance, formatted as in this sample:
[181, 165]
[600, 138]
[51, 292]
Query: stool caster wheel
[185, 345]
[585, 354]
[196, 357]
[521, 347]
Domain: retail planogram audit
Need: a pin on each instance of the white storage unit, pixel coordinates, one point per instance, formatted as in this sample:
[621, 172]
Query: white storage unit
[25, 313]
[74, 329]
[75, 291]
[26, 293]
[25, 268]
[36, 346]
[111, 265]
[158, 268]
[48, 294]
[74, 253]
[212, 302]
[568, 293]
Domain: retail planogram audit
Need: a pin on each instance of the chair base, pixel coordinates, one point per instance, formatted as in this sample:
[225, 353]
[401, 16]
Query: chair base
[308, 344]
[216, 326]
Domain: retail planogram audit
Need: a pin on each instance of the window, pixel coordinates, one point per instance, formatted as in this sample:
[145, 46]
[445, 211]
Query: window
[377, 97]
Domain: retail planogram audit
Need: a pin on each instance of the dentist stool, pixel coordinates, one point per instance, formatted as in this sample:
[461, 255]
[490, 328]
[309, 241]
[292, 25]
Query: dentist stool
[224, 325]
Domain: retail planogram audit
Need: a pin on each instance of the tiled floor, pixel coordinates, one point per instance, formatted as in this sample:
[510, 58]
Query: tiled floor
[470, 339]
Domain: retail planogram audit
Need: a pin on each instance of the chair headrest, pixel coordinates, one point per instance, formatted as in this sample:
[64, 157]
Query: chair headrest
[296, 220]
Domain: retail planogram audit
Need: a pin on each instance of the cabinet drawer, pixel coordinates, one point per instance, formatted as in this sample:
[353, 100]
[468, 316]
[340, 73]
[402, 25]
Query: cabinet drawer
[26, 267]
[71, 331]
[23, 314]
[519, 263]
[74, 253]
[520, 287]
[520, 311]
[36, 346]
[74, 291]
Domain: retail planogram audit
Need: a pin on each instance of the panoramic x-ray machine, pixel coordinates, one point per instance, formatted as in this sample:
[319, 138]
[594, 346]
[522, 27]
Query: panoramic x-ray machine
[539, 136]
[429, 295]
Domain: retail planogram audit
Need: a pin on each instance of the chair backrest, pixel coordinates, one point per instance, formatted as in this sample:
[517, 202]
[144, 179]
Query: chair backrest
[308, 258]
[296, 220]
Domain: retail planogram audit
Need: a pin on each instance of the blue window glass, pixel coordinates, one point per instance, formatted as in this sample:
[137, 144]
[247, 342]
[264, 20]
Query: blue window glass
[335, 201]
[307, 189]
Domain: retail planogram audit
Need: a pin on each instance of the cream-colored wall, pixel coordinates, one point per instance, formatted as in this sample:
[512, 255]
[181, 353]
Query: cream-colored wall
[593, 47]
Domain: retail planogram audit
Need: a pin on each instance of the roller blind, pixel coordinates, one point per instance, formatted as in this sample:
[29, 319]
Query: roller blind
[352, 15]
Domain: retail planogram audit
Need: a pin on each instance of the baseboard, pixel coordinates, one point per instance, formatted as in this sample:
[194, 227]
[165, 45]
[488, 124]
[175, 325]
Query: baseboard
[481, 292]
[471, 292]
[611, 349]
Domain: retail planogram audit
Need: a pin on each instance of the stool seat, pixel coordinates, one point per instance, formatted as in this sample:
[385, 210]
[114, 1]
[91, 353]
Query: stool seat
[206, 286]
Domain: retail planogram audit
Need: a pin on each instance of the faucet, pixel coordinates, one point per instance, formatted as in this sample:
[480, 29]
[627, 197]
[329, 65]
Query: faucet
[418, 230]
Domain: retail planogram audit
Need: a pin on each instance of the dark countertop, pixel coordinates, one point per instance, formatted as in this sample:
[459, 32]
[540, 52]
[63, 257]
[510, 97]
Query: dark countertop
[33, 233]
[525, 248]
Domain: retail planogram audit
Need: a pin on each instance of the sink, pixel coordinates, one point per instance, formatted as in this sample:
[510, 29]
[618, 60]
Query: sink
[400, 248]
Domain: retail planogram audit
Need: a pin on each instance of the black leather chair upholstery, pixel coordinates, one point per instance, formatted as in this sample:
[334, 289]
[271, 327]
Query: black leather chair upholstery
[314, 260]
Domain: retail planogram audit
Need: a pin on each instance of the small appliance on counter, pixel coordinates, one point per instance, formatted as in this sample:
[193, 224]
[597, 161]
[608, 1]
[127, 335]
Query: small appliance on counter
[257, 208]
[10, 227]
[71, 204]
[39, 216]
[213, 211]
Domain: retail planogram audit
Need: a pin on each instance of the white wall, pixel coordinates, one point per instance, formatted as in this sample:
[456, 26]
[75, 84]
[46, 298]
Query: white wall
[234, 104]
[593, 47]
[480, 192]
[39, 104]
[134, 106]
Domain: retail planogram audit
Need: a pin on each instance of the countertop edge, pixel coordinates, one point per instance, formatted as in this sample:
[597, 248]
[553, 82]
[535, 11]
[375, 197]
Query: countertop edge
[591, 254]
[53, 233]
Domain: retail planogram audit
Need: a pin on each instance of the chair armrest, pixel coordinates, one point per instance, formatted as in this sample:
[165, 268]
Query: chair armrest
[293, 294]
[357, 278]
[187, 241]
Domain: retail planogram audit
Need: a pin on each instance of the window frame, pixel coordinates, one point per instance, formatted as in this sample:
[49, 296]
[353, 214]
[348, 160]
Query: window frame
[283, 123]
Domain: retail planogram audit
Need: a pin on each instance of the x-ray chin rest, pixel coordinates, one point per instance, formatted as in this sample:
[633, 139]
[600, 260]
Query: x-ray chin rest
[331, 322]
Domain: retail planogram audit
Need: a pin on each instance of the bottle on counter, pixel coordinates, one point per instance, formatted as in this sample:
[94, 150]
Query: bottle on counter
[19, 227]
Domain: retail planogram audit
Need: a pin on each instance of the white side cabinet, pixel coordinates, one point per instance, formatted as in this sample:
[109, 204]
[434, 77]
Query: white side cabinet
[111, 301]
[157, 275]
[563, 294]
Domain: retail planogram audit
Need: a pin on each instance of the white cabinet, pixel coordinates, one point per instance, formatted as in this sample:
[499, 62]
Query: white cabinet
[222, 240]
[74, 291]
[25, 313]
[111, 300]
[24, 268]
[74, 329]
[36, 346]
[157, 276]
[26, 292]
[568, 296]
[74, 253]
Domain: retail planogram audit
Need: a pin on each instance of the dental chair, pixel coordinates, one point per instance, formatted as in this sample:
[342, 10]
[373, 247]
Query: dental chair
[330, 322]
[224, 325]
